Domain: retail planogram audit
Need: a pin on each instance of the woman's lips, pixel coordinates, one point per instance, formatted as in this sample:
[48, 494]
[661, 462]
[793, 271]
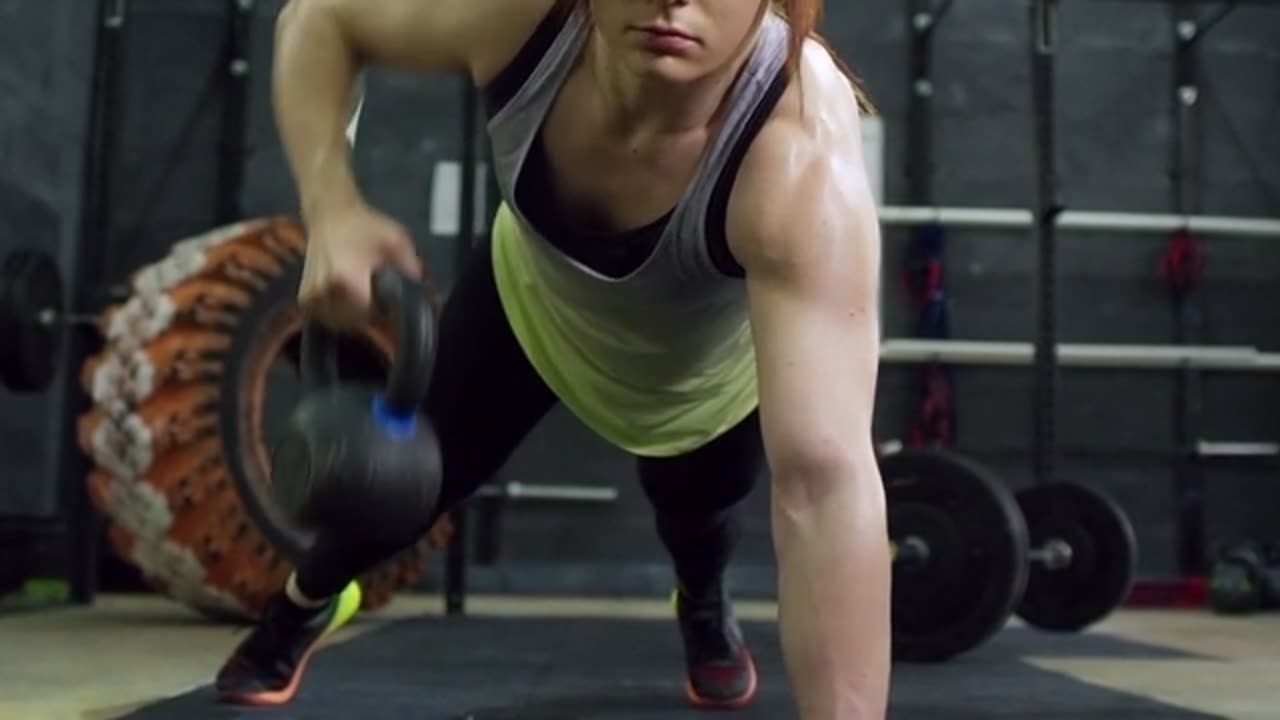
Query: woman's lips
[666, 41]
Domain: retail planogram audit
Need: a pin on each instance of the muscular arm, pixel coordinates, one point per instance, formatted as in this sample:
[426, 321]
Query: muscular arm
[321, 45]
[812, 265]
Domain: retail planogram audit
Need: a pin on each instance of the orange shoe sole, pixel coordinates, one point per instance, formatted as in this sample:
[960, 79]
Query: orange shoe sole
[348, 605]
[737, 703]
[268, 698]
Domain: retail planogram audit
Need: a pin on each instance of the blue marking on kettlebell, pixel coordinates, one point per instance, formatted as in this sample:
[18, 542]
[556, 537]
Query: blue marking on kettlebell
[399, 425]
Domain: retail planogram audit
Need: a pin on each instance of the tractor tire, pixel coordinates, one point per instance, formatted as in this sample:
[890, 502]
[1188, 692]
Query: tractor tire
[180, 427]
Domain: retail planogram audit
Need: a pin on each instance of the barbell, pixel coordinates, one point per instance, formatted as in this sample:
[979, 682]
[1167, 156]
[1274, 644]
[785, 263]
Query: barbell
[968, 554]
[33, 314]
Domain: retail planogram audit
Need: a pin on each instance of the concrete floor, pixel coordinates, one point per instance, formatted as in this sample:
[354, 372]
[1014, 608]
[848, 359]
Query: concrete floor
[101, 662]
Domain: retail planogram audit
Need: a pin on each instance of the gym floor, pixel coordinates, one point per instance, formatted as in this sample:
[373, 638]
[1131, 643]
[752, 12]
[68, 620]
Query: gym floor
[132, 651]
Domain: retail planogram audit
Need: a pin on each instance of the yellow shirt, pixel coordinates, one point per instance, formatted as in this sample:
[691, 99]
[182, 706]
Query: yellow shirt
[655, 367]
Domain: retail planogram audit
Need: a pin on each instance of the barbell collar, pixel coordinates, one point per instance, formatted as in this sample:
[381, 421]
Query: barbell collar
[50, 317]
[912, 549]
[1055, 554]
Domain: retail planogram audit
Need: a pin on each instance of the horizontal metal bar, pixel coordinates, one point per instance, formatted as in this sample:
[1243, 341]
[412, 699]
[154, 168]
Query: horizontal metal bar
[1137, 357]
[750, 577]
[1188, 2]
[550, 493]
[1205, 448]
[1081, 220]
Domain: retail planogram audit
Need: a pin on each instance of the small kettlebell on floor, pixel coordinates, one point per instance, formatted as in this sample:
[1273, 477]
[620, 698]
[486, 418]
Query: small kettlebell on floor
[357, 460]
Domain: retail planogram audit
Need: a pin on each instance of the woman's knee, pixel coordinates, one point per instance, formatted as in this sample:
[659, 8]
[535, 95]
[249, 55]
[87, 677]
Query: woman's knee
[709, 480]
[704, 499]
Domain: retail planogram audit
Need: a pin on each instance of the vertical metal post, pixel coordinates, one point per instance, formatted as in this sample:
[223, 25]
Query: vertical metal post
[1047, 209]
[455, 582]
[455, 572]
[83, 523]
[235, 102]
[928, 246]
[1187, 396]
[488, 529]
[921, 21]
[470, 178]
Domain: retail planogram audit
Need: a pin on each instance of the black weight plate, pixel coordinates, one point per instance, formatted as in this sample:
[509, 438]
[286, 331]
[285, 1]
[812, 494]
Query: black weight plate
[964, 589]
[30, 283]
[1104, 557]
[9, 321]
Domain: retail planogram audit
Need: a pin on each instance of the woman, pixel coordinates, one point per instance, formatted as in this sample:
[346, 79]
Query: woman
[686, 257]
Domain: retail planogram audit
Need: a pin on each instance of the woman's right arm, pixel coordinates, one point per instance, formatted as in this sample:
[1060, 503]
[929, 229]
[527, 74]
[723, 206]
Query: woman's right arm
[321, 46]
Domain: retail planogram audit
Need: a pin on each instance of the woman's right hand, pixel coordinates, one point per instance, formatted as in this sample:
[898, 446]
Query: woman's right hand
[344, 249]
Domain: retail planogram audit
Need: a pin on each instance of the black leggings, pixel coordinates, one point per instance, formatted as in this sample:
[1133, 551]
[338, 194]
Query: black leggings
[484, 399]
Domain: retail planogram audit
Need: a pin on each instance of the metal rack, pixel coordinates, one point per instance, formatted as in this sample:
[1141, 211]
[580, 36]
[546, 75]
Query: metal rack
[79, 518]
[1190, 23]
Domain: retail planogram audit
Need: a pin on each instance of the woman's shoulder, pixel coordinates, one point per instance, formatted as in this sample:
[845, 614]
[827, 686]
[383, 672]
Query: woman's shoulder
[810, 151]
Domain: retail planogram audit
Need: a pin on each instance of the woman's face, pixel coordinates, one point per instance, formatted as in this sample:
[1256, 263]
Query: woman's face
[675, 40]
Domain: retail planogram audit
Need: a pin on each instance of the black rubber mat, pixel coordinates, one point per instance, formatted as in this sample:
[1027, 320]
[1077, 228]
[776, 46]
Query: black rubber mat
[575, 669]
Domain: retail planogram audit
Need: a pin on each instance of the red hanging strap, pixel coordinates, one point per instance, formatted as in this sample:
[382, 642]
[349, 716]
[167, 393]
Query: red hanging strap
[934, 425]
[1182, 262]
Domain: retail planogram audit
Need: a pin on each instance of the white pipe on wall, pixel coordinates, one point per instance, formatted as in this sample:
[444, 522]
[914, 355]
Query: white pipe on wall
[1082, 220]
[1136, 357]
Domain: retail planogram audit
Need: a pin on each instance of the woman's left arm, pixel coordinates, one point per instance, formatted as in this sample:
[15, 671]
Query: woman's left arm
[803, 225]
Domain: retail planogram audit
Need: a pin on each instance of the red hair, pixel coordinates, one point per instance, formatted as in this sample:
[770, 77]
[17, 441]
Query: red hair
[802, 18]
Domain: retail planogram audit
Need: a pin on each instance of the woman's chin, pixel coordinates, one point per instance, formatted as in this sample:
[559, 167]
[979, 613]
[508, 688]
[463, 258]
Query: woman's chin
[665, 69]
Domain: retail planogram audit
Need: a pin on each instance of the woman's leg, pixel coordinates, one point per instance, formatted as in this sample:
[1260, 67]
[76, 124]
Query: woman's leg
[695, 498]
[484, 398]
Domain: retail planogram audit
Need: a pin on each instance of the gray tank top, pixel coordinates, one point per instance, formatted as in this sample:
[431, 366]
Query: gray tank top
[657, 357]
[680, 242]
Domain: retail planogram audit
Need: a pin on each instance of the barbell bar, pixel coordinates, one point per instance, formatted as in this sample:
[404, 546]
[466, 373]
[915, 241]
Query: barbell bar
[545, 492]
[1054, 554]
[51, 318]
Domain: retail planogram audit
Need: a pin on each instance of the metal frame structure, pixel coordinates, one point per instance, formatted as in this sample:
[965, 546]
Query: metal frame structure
[235, 100]
[80, 519]
[1190, 25]
[84, 287]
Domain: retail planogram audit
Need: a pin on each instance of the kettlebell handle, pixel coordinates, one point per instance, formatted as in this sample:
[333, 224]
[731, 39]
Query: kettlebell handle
[401, 300]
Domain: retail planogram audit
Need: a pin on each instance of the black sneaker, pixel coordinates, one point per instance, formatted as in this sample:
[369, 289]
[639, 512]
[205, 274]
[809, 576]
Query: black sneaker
[721, 673]
[268, 664]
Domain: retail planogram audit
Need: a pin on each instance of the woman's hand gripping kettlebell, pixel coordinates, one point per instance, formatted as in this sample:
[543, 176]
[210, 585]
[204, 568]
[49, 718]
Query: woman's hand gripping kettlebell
[346, 246]
[360, 460]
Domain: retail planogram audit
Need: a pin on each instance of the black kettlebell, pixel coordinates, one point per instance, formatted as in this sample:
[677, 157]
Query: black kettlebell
[361, 461]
